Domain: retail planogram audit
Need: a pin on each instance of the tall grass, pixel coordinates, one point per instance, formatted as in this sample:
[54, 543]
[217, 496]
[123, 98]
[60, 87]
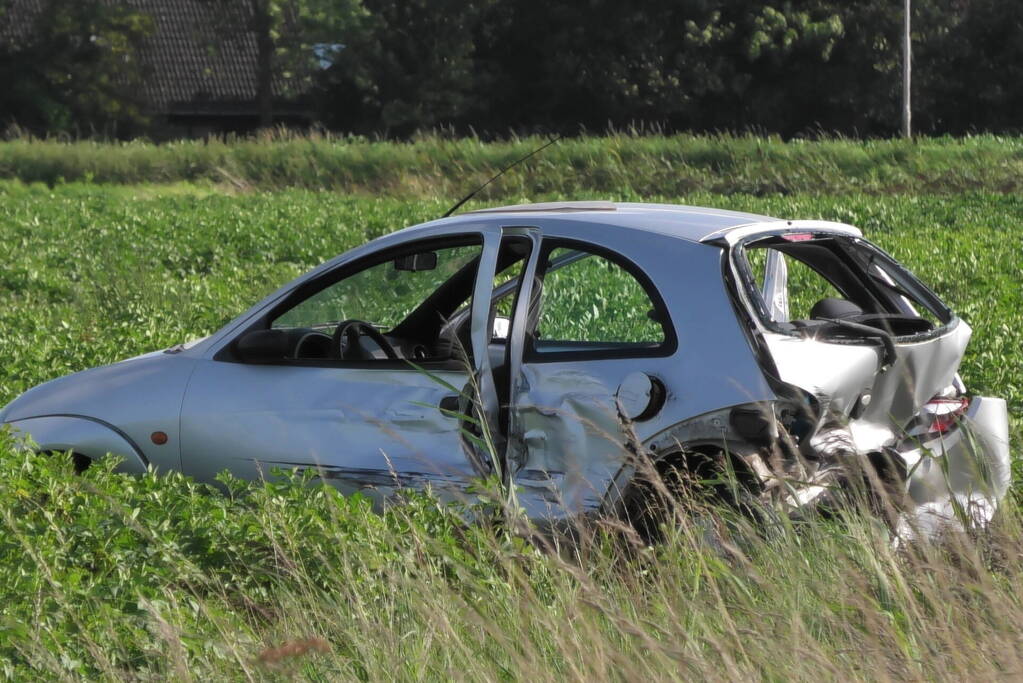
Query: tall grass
[434, 165]
[106, 576]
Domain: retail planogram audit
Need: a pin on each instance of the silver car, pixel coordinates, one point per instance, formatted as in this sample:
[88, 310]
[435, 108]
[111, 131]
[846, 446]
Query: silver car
[558, 346]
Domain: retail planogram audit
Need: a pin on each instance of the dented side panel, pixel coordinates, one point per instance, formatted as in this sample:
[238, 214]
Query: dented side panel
[572, 439]
[364, 430]
[569, 441]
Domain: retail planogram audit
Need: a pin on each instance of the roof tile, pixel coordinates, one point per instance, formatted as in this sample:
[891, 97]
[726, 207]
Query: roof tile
[200, 53]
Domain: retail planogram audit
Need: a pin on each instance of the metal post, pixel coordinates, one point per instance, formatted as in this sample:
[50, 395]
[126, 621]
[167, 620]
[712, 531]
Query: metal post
[907, 55]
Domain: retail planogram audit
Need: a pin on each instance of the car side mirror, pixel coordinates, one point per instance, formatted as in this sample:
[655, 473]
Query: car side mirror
[262, 346]
[414, 263]
[502, 326]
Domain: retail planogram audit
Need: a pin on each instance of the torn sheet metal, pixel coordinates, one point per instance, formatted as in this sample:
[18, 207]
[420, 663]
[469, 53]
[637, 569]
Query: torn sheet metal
[959, 479]
[872, 389]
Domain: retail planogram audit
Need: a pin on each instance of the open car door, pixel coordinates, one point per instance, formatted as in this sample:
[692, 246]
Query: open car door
[589, 339]
[365, 420]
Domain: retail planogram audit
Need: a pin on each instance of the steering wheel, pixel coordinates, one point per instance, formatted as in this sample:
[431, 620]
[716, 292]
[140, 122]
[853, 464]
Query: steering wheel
[345, 342]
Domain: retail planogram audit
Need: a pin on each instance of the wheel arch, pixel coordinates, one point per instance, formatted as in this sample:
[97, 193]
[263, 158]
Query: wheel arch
[686, 443]
[85, 436]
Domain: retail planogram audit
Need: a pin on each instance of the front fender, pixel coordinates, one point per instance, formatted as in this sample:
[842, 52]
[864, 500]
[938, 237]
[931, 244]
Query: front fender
[84, 435]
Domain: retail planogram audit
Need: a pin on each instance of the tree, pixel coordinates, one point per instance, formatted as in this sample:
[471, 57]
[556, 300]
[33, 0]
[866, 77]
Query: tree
[408, 65]
[73, 67]
[968, 66]
[287, 34]
[700, 65]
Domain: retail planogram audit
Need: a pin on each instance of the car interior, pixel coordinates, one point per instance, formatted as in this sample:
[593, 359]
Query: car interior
[405, 307]
[415, 306]
[840, 286]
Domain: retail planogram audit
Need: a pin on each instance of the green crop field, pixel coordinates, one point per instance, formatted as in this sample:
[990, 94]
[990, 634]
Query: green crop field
[107, 576]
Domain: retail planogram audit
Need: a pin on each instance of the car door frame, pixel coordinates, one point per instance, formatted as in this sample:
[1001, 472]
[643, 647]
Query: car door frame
[561, 494]
[480, 396]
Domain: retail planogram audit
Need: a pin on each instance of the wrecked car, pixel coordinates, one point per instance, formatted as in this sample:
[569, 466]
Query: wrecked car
[557, 345]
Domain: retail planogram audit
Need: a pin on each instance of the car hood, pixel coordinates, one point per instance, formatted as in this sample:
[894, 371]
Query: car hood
[150, 384]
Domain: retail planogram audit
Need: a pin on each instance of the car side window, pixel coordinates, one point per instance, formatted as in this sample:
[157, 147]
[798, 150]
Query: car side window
[589, 302]
[382, 295]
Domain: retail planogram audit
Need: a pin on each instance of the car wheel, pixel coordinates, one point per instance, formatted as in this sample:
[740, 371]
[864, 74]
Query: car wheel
[80, 462]
[699, 492]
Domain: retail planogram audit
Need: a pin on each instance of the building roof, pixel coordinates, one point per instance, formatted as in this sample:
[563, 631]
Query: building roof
[17, 18]
[200, 57]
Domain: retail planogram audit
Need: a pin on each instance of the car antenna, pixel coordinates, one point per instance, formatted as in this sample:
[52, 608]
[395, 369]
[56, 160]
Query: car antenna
[501, 173]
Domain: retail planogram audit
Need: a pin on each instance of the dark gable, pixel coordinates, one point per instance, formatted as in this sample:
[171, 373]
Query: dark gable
[199, 60]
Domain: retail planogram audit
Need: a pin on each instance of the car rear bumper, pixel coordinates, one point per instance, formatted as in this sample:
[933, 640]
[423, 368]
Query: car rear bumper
[960, 477]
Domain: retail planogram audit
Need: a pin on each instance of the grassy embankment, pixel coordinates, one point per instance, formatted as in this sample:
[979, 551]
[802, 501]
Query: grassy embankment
[110, 576]
[434, 166]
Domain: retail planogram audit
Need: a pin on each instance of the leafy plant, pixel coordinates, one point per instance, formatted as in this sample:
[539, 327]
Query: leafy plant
[108, 576]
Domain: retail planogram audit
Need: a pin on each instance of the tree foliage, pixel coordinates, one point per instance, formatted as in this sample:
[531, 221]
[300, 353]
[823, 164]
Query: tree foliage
[409, 64]
[73, 67]
[795, 67]
[292, 37]
[392, 67]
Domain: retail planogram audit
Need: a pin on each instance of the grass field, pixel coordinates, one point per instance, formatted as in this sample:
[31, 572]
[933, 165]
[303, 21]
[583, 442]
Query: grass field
[107, 576]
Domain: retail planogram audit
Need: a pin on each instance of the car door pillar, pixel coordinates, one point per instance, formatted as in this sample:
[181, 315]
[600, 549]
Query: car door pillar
[516, 450]
[483, 386]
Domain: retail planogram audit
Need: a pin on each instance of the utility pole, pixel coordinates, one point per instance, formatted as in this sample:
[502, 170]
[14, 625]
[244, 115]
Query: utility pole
[907, 56]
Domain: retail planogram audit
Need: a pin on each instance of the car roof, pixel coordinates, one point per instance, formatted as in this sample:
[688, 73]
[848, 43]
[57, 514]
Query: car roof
[686, 222]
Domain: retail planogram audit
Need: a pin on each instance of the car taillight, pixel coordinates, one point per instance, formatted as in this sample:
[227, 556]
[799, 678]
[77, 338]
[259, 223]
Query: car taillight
[941, 414]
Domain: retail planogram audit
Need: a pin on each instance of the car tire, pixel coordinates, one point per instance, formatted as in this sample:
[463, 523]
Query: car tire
[693, 489]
